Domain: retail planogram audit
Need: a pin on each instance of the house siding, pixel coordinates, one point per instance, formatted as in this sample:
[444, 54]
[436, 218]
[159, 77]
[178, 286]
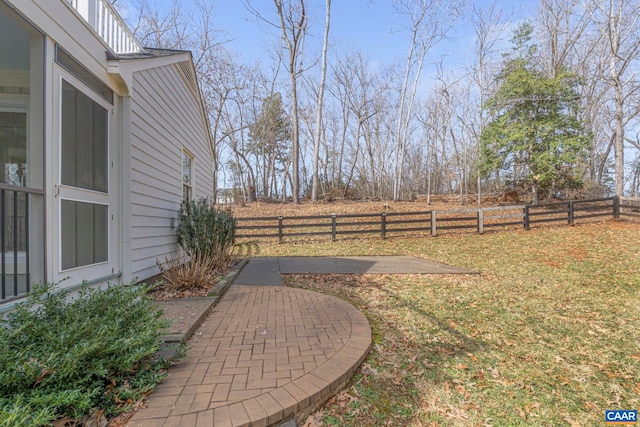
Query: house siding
[165, 118]
[156, 112]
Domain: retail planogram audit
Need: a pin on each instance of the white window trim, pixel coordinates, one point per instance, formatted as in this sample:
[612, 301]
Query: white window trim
[191, 185]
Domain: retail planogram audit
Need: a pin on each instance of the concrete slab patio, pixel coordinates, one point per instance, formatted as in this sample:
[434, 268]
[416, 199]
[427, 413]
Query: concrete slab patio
[267, 271]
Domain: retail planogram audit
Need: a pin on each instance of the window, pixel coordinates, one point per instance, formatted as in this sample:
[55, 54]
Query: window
[22, 212]
[187, 175]
[13, 151]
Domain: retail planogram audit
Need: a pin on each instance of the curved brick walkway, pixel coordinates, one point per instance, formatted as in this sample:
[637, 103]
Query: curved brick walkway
[264, 354]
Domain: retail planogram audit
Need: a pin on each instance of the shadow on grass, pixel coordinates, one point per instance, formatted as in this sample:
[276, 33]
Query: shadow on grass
[247, 249]
[393, 378]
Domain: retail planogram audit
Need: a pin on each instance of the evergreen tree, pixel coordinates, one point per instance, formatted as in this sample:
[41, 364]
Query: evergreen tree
[533, 133]
[270, 140]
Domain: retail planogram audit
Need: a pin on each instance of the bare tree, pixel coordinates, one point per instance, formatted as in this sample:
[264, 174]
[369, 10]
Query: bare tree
[293, 24]
[236, 117]
[429, 23]
[323, 77]
[618, 22]
[562, 26]
[488, 30]
[194, 32]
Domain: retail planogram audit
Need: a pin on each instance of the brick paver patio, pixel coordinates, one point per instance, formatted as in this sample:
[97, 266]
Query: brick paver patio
[263, 355]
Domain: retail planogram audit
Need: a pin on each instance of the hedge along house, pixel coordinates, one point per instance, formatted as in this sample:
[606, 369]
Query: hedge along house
[100, 140]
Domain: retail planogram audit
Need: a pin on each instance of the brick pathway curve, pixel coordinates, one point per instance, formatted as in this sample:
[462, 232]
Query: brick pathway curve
[264, 354]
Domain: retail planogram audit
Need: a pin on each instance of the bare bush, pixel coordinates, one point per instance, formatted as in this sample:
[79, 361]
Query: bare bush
[182, 271]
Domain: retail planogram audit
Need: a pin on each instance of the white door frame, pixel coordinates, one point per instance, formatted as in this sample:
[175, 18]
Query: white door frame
[111, 267]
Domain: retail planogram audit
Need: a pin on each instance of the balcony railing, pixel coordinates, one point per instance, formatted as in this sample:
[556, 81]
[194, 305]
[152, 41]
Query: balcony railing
[108, 24]
[14, 244]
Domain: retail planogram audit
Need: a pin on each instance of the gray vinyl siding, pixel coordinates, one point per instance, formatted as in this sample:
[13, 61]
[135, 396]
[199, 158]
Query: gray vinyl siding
[165, 117]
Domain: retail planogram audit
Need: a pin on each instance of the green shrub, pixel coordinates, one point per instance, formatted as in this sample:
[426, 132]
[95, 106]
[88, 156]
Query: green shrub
[17, 413]
[61, 357]
[204, 231]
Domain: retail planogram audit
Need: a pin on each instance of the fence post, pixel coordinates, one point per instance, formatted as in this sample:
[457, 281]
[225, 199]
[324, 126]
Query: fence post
[280, 229]
[334, 227]
[433, 223]
[383, 225]
[616, 207]
[527, 224]
[571, 213]
[480, 221]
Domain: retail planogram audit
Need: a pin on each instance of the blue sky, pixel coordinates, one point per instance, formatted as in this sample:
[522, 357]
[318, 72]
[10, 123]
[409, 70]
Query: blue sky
[371, 26]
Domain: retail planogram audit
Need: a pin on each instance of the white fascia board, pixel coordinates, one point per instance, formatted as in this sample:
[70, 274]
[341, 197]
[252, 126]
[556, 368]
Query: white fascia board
[122, 69]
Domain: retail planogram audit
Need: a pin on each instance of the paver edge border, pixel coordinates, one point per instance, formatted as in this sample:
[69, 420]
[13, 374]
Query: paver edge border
[337, 383]
[214, 295]
[315, 399]
[221, 287]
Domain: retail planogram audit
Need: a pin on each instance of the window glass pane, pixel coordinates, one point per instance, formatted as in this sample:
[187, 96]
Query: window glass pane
[84, 234]
[187, 175]
[21, 101]
[84, 141]
[186, 169]
[13, 150]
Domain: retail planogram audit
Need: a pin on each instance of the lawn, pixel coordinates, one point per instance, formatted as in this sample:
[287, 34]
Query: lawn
[548, 332]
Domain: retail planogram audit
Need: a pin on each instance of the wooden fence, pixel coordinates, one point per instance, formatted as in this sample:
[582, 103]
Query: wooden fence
[435, 221]
[630, 208]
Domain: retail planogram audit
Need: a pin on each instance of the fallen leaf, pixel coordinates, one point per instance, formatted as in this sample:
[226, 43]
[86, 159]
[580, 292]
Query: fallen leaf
[572, 422]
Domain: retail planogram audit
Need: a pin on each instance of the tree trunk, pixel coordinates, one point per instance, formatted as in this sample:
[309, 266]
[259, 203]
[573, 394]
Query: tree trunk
[296, 25]
[618, 144]
[323, 77]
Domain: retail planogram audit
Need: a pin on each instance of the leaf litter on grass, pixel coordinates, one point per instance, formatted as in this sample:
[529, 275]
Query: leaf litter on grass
[522, 343]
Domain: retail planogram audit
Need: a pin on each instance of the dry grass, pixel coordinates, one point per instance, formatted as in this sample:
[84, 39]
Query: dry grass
[344, 207]
[547, 334]
[181, 271]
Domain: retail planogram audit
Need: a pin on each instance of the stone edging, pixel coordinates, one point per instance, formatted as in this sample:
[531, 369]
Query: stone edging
[214, 296]
[221, 287]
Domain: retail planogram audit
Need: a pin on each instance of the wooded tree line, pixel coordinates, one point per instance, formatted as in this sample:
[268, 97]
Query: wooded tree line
[549, 107]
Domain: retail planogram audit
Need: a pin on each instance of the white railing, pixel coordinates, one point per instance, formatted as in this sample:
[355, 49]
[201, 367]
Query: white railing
[108, 24]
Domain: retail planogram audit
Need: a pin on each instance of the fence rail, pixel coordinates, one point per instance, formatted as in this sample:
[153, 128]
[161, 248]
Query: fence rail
[630, 208]
[435, 221]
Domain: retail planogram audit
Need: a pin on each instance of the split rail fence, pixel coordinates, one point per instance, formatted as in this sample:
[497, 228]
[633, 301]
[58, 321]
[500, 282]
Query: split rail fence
[434, 222]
